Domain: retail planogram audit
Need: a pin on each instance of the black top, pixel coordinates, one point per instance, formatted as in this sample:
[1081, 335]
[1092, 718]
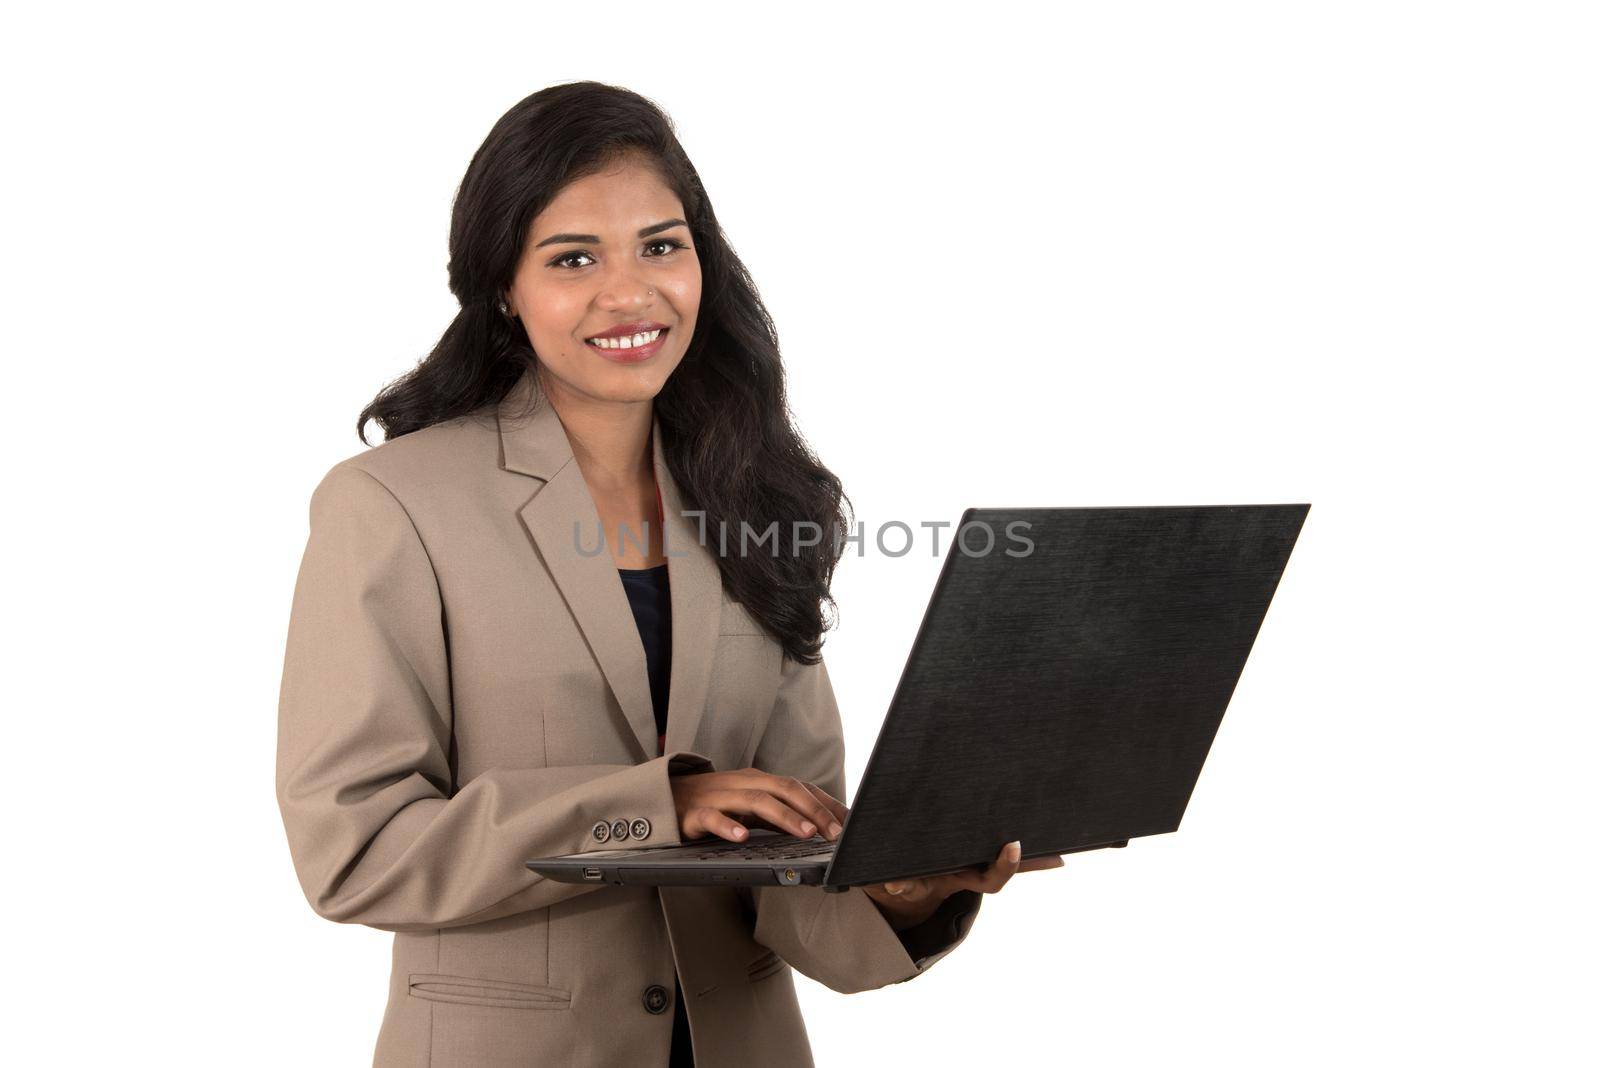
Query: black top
[652, 611]
[651, 601]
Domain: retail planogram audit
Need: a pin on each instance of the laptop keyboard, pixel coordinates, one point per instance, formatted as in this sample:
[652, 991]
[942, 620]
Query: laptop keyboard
[774, 847]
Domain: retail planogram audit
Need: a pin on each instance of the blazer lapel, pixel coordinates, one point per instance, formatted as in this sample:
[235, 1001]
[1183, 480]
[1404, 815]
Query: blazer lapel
[564, 525]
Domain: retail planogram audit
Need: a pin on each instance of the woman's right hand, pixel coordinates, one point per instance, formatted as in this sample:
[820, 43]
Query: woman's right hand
[707, 802]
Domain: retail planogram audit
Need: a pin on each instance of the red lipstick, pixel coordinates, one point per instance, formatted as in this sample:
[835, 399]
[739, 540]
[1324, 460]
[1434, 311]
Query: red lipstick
[635, 353]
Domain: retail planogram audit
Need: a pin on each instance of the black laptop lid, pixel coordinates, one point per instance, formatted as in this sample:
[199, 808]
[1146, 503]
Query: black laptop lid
[1068, 696]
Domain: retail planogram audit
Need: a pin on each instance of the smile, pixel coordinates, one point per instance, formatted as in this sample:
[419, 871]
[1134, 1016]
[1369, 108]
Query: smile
[630, 348]
[629, 342]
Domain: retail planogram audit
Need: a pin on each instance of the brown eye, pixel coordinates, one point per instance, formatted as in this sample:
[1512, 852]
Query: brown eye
[561, 261]
[671, 244]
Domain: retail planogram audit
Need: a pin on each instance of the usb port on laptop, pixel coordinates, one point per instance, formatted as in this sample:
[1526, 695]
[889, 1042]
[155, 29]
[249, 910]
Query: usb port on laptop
[592, 873]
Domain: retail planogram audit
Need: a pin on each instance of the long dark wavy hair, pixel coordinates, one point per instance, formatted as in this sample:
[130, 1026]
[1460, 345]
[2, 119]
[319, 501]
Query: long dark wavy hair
[726, 429]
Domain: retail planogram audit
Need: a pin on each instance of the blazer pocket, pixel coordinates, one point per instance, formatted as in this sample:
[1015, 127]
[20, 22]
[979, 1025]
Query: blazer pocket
[497, 993]
[765, 966]
[736, 619]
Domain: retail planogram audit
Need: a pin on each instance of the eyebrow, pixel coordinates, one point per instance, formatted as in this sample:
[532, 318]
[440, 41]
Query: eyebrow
[593, 239]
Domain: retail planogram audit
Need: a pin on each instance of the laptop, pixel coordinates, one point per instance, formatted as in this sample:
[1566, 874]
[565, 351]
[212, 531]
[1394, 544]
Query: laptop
[1064, 689]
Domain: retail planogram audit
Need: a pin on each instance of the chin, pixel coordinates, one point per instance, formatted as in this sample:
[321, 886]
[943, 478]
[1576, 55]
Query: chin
[627, 385]
[611, 383]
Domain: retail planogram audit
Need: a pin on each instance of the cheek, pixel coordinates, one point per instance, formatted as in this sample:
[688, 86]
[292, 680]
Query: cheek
[685, 291]
[552, 319]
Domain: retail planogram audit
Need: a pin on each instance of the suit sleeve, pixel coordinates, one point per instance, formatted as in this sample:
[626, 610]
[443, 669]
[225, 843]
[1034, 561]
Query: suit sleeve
[840, 940]
[377, 833]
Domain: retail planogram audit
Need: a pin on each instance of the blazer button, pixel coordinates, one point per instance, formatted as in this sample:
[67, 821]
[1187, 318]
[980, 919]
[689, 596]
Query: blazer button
[656, 1000]
[619, 830]
[640, 828]
[602, 831]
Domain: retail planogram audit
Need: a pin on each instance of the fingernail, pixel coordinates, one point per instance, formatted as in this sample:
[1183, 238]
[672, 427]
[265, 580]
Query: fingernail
[806, 829]
[1014, 850]
[738, 832]
[834, 830]
[895, 888]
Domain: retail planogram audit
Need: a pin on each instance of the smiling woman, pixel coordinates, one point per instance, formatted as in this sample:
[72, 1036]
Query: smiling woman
[464, 689]
[582, 217]
[593, 280]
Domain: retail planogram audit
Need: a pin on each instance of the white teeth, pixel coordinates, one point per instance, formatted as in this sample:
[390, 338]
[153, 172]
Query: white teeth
[624, 342]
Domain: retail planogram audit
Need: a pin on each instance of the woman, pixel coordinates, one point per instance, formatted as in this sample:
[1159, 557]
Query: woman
[471, 682]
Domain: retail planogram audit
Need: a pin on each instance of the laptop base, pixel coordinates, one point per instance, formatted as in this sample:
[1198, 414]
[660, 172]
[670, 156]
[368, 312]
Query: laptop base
[669, 866]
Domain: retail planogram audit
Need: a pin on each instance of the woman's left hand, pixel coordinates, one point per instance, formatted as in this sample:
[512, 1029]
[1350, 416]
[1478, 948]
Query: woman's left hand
[908, 902]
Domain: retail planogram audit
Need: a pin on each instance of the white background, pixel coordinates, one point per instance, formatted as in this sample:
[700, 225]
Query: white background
[1100, 254]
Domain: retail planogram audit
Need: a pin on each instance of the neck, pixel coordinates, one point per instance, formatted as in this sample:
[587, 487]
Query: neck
[610, 439]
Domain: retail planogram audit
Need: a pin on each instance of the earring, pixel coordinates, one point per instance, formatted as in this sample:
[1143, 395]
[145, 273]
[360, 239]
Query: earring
[504, 310]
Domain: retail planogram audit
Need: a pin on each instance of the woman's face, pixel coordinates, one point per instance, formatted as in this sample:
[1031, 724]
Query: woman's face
[610, 251]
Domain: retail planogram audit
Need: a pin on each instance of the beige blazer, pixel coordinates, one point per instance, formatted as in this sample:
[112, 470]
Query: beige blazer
[464, 690]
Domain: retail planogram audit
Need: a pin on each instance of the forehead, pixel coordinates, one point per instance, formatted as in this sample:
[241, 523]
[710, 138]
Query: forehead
[621, 199]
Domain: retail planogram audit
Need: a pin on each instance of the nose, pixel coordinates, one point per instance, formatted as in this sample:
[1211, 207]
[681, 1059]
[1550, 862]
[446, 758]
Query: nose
[623, 288]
